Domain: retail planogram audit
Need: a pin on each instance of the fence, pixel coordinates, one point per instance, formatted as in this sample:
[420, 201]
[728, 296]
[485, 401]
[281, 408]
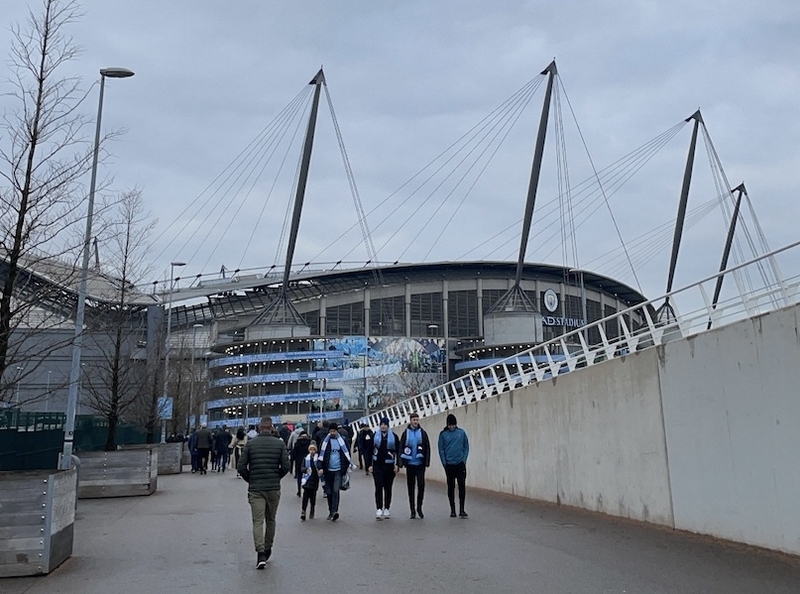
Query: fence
[33, 441]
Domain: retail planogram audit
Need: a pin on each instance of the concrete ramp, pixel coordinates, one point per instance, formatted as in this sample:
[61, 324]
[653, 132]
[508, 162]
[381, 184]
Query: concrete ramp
[700, 434]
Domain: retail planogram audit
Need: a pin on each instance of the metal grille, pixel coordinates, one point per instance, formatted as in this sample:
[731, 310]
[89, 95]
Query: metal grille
[462, 314]
[387, 317]
[345, 320]
[427, 318]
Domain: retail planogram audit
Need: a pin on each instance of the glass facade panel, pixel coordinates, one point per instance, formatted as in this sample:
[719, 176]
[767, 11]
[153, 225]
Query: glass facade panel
[612, 327]
[387, 317]
[462, 316]
[345, 320]
[594, 313]
[312, 321]
[426, 311]
[490, 297]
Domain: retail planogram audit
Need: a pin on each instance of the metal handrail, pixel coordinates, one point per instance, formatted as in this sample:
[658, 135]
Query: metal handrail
[522, 369]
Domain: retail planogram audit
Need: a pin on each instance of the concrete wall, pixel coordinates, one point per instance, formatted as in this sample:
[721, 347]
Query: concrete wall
[732, 414]
[701, 434]
[592, 439]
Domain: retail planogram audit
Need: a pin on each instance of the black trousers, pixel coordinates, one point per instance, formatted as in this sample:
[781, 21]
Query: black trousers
[415, 479]
[383, 475]
[309, 496]
[363, 459]
[203, 454]
[456, 473]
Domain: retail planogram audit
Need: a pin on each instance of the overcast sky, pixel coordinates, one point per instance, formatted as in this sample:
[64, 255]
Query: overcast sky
[409, 78]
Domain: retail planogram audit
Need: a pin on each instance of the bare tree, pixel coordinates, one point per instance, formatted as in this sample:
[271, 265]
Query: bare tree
[180, 382]
[114, 381]
[43, 153]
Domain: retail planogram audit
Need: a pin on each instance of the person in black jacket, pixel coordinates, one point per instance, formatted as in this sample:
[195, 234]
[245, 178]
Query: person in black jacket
[385, 464]
[415, 456]
[222, 440]
[364, 445]
[299, 452]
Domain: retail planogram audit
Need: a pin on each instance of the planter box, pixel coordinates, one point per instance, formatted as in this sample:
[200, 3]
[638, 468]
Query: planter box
[124, 473]
[169, 455]
[37, 520]
[186, 457]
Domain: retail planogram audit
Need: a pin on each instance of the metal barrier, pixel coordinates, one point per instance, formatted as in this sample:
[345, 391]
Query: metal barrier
[678, 314]
[34, 440]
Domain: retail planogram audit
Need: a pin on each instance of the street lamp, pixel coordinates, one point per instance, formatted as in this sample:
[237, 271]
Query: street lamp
[19, 372]
[47, 393]
[172, 267]
[75, 369]
[191, 378]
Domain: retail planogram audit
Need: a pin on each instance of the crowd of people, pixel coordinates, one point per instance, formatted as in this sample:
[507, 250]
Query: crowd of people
[322, 456]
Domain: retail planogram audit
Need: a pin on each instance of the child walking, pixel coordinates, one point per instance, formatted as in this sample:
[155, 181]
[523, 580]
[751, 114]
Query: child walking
[310, 480]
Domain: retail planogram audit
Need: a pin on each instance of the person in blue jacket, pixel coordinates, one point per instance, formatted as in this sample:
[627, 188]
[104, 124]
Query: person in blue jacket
[453, 452]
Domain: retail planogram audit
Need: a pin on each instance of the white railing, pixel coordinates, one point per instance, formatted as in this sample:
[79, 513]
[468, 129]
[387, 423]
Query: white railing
[690, 313]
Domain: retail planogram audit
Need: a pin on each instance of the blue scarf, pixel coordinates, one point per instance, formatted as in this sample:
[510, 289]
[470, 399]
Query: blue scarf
[391, 446]
[413, 451]
[323, 451]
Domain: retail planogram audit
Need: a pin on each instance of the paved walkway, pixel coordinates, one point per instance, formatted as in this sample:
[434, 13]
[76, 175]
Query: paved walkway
[193, 535]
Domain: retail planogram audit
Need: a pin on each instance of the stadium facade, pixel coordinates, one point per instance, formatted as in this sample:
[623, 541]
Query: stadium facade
[372, 337]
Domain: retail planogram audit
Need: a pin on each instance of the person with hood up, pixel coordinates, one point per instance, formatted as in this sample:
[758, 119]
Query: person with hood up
[298, 429]
[453, 452]
[415, 456]
[385, 465]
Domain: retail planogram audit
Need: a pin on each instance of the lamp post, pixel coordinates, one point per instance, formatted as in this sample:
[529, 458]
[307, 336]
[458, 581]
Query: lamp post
[19, 372]
[75, 369]
[167, 347]
[47, 393]
[191, 378]
[247, 398]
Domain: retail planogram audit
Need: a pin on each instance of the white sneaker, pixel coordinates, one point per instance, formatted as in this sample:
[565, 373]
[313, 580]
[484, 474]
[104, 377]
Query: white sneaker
[387, 514]
[379, 514]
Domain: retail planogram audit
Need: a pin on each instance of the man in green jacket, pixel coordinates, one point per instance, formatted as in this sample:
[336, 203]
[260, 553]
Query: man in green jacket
[263, 463]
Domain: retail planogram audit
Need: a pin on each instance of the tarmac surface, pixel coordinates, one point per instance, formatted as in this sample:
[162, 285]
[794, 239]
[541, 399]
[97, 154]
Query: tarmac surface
[193, 535]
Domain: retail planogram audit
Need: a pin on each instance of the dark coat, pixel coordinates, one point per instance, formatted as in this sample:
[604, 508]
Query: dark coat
[312, 484]
[300, 450]
[264, 462]
[364, 441]
[203, 438]
[426, 447]
[325, 458]
[384, 453]
[222, 439]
